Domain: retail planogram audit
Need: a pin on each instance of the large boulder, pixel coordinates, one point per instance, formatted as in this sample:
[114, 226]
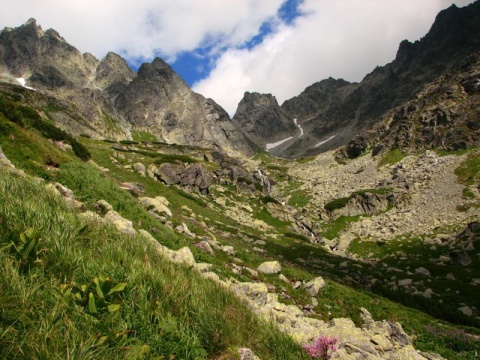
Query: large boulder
[193, 176]
[270, 267]
[314, 286]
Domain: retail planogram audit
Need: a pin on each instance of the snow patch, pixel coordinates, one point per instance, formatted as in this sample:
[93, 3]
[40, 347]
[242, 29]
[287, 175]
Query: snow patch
[301, 130]
[278, 143]
[324, 141]
[23, 82]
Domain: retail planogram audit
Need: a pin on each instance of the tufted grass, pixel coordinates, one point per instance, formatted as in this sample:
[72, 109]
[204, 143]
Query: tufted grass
[166, 310]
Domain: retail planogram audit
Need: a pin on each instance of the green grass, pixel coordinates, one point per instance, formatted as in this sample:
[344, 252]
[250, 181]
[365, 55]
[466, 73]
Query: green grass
[143, 136]
[299, 198]
[28, 150]
[467, 172]
[163, 309]
[392, 157]
[332, 228]
[336, 204]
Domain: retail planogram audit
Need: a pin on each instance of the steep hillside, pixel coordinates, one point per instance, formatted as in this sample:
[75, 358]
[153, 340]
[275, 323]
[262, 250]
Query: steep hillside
[259, 228]
[332, 112]
[262, 120]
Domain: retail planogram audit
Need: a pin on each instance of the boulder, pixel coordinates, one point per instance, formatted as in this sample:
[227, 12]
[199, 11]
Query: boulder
[193, 176]
[314, 286]
[247, 354]
[229, 250]
[134, 188]
[460, 257]
[123, 225]
[156, 205]
[140, 168]
[270, 267]
[253, 292]
[422, 271]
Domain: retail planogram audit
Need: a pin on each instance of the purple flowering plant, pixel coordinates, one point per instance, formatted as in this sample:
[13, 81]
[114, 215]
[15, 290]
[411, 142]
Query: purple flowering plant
[322, 348]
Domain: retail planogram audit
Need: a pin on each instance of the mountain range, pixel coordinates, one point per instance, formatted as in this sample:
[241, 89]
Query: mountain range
[139, 221]
[112, 101]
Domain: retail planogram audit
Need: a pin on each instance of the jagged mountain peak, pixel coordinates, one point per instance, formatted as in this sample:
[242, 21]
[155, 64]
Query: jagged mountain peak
[332, 112]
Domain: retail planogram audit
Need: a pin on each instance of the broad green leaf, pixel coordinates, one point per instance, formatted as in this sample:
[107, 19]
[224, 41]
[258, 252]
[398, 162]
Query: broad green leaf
[30, 246]
[113, 307]
[102, 340]
[91, 303]
[98, 288]
[117, 288]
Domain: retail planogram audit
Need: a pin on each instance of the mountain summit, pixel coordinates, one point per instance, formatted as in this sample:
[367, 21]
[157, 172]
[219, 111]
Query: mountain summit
[112, 100]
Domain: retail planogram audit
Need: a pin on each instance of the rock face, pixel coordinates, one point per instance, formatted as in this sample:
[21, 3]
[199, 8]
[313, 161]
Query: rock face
[160, 101]
[109, 99]
[332, 112]
[365, 204]
[439, 116]
[262, 120]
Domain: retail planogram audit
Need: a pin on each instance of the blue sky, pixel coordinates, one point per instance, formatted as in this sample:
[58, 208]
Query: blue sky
[197, 64]
[223, 48]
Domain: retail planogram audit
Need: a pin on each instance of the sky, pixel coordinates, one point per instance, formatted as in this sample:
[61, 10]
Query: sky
[223, 48]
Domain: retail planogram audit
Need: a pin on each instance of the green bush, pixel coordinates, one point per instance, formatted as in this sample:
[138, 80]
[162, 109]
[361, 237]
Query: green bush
[336, 204]
[28, 117]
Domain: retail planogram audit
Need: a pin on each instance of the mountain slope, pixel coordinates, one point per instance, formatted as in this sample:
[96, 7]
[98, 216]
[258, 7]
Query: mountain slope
[111, 101]
[332, 112]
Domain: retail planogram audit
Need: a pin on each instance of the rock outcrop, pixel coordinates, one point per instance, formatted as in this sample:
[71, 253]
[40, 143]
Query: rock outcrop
[333, 111]
[106, 99]
[262, 120]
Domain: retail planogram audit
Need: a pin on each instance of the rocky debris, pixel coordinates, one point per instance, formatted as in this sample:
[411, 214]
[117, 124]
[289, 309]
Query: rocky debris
[67, 194]
[183, 255]
[229, 250]
[247, 354]
[205, 246]
[193, 176]
[374, 340]
[365, 203]
[466, 310]
[460, 257]
[104, 206]
[269, 267]
[123, 225]
[356, 147]
[183, 229]
[422, 271]
[158, 205]
[134, 188]
[4, 161]
[140, 168]
[314, 286]
[439, 116]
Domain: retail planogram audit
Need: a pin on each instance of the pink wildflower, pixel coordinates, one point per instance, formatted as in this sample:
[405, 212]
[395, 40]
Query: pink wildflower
[321, 347]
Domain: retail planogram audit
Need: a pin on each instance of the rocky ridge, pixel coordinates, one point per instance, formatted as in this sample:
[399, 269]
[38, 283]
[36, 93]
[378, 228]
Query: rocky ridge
[262, 120]
[441, 116]
[109, 99]
[332, 112]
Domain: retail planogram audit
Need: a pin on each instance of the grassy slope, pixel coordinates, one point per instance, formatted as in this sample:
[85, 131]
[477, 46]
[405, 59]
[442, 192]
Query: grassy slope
[165, 308]
[179, 318]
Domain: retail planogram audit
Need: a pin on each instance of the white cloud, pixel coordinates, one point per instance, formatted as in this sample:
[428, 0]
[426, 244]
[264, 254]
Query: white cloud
[342, 38]
[143, 27]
